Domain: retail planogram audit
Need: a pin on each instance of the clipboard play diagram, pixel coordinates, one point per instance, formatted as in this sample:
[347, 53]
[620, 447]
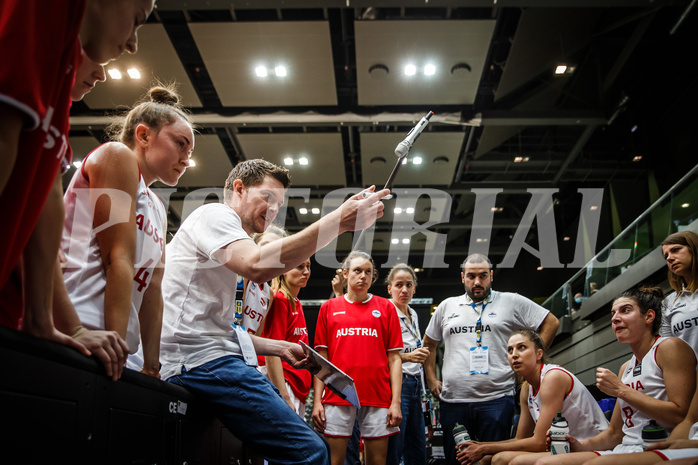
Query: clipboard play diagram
[335, 379]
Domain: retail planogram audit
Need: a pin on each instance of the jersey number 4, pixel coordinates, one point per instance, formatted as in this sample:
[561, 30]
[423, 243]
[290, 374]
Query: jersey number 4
[142, 275]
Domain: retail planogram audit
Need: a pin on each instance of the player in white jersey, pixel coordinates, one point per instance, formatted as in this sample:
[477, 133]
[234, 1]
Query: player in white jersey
[114, 282]
[256, 300]
[657, 383]
[680, 313]
[681, 444]
[548, 389]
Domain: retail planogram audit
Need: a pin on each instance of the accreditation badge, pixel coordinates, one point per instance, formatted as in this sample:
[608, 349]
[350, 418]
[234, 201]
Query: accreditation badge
[479, 360]
[246, 347]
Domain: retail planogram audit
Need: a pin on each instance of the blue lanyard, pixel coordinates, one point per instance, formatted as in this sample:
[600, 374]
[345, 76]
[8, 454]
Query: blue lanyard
[478, 324]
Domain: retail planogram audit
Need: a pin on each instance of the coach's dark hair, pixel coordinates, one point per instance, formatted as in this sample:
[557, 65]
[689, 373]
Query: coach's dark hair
[477, 258]
[252, 173]
[647, 298]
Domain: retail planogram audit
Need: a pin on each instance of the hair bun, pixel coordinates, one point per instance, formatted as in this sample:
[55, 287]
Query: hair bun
[654, 290]
[164, 95]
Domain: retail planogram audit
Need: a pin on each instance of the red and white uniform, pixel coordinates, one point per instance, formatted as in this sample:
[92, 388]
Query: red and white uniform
[285, 324]
[579, 407]
[84, 273]
[358, 337]
[43, 38]
[255, 306]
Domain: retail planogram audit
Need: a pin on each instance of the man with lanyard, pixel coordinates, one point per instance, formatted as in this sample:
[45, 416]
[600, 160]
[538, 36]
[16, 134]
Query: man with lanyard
[478, 384]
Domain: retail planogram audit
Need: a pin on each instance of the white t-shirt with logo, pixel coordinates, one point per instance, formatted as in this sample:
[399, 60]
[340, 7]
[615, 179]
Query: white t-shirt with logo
[454, 322]
[199, 291]
[680, 317]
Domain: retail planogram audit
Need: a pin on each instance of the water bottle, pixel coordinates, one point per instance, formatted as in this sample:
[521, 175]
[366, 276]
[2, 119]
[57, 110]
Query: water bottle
[460, 435]
[558, 432]
[653, 432]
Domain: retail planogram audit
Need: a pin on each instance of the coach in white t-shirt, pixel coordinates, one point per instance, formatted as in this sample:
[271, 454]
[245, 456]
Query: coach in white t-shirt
[200, 349]
[478, 385]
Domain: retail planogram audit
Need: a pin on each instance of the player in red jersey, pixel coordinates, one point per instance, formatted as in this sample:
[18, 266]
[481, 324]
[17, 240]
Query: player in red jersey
[34, 107]
[286, 321]
[360, 333]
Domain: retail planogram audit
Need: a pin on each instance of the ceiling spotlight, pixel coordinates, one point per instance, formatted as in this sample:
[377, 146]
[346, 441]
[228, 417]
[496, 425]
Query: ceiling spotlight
[303, 211]
[77, 164]
[133, 73]
[410, 70]
[395, 241]
[560, 69]
[637, 158]
[594, 207]
[406, 241]
[685, 205]
[417, 160]
[409, 210]
[539, 268]
[260, 71]
[566, 238]
[114, 73]
[315, 210]
[303, 161]
[397, 210]
[288, 161]
[429, 70]
[191, 163]
[280, 71]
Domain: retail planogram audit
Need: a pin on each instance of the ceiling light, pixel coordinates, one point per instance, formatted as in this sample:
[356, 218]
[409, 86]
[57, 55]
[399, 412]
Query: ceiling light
[594, 207]
[417, 270]
[191, 163]
[404, 161]
[685, 205]
[417, 160]
[566, 238]
[518, 159]
[405, 241]
[77, 164]
[303, 211]
[378, 70]
[378, 160]
[280, 71]
[315, 210]
[429, 70]
[539, 268]
[440, 160]
[409, 210]
[410, 70]
[302, 161]
[397, 210]
[560, 69]
[395, 241]
[133, 73]
[288, 161]
[481, 239]
[261, 71]
[114, 73]
[637, 158]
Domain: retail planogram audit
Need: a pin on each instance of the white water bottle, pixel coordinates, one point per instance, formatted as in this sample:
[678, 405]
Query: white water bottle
[460, 435]
[559, 431]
